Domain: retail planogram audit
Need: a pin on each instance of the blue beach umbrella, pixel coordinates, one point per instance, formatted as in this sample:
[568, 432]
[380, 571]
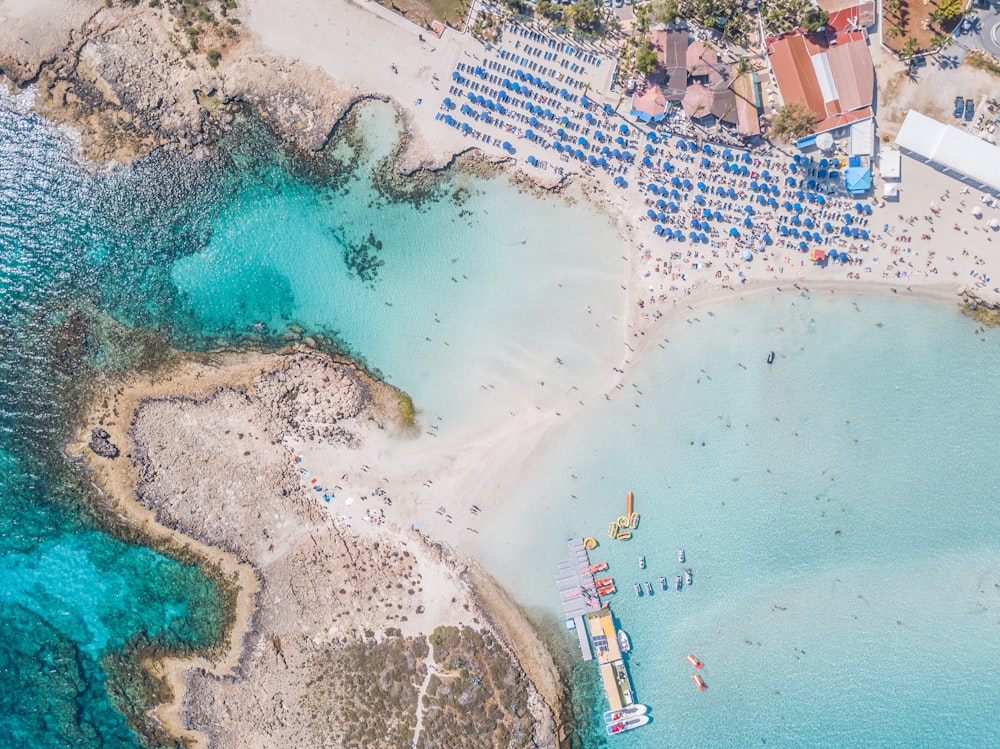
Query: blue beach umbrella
[699, 199]
[658, 229]
[649, 149]
[675, 181]
[651, 135]
[767, 239]
[529, 134]
[748, 209]
[765, 174]
[606, 151]
[627, 155]
[796, 221]
[744, 171]
[790, 181]
[558, 146]
[646, 161]
[793, 167]
[623, 129]
[696, 223]
[848, 218]
[608, 109]
[466, 126]
[753, 185]
[747, 223]
[560, 132]
[653, 187]
[675, 194]
[602, 162]
[650, 213]
[846, 230]
[803, 246]
[620, 140]
[703, 238]
[564, 120]
[808, 222]
[828, 227]
[705, 162]
[747, 158]
[783, 230]
[533, 122]
[693, 236]
[794, 232]
[725, 166]
[591, 159]
[706, 213]
[506, 146]
[687, 184]
[599, 135]
[672, 206]
[448, 103]
[807, 235]
[701, 185]
[588, 117]
[864, 234]
[772, 203]
[717, 216]
[616, 153]
[727, 154]
[581, 141]
[661, 204]
[855, 232]
[692, 145]
[532, 160]
[775, 191]
[720, 191]
[734, 232]
[731, 193]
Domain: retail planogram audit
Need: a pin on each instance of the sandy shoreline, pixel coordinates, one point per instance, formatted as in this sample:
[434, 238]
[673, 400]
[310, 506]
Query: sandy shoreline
[303, 67]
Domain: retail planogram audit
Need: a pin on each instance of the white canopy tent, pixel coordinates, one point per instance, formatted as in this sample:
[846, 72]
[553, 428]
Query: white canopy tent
[889, 163]
[890, 190]
[951, 150]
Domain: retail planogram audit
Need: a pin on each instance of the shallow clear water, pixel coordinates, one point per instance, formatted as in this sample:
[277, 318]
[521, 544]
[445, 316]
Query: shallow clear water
[884, 633]
[838, 509]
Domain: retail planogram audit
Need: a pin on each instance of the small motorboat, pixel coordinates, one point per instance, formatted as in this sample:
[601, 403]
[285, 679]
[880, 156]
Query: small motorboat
[688, 577]
[770, 358]
[613, 716]
[607, 590]
[649, 587]
[638, 590]
[623, 644]
[599, 567]
[679, 582]
[694, 661]
[642, 561]
[699, 682]
[680, 556]
[604, 582]
[620, 726]
[663, 583]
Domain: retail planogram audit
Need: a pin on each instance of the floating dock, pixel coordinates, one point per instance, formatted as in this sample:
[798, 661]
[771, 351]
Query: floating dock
[614, 677]
[578, 592]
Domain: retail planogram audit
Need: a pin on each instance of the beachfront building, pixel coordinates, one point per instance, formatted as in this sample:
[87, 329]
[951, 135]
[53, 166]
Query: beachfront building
[849, 15]
[691, 75]
[831, 73]
[951, 150]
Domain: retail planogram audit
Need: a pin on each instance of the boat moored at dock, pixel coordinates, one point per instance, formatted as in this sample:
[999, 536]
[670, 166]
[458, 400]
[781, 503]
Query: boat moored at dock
[621, 726]
[649, 588]
[638, 590]
[623, 643]
[663, 583]
[613, 716]
[642, 561]
[688, 577]
[680, 556]
[678, 582]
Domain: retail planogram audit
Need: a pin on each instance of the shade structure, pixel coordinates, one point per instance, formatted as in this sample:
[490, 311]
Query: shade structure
[672, 206]
[606, 151]
[507, 146]
[599, 135]
[581, 141]
[864, 234]
[727, 154]
[797, 207]
[448, 103]
[561, 133]
[675, 194]
[725, 166]
[533, 122]
[761, 200]
[717, 216]
[651, 135]
[744, 171]
[747, 158]
[693, 236]
[707, 149]
[623, 129]
[658, 229]
[845, 230]
[627, 155]
[532, 160]
[696, 223]
[701, 185]
[564, 93]
[692, 145]
[772, 203]
[808, 222]
[765, 174]
[682, 145]
[783, 230]
[646, 161]
[529, 134]
[747, 223]
[620, 181]
[584, 101]
[748, 209]
[848, 218]
[620, 140]
[720, 191]
[775, 191]
[661, 204]
[649, 149]
[616, 153]
[747, 255]
[650, 213]
[579, 154]
[588, 117]
[807, 235]
[558, 146]
[803, 246]
[753, 185]
[466, 126]
[705, 162]
[653, 187]
[767, 239]
[687, 184]
[706, 212]
[821, 200]
[794, 232]
[703, 238]
[591, 159]
[731, 193]
[608, 109]
[734, 232]
[675, 181]
[547, 113]
[699, 199]
[827, 227]
[796, 221]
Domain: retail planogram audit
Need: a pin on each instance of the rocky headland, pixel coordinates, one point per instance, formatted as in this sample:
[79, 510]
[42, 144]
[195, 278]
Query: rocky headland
[345, 635]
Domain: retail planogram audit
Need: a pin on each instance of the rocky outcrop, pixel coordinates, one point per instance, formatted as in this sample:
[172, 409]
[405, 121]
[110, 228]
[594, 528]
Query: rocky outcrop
[127, 80]
[101, 444]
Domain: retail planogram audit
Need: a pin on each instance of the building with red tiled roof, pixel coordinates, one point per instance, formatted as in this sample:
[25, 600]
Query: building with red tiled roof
[831, 74]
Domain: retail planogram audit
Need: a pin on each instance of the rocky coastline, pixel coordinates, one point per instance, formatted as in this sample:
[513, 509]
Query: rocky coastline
[344, 635]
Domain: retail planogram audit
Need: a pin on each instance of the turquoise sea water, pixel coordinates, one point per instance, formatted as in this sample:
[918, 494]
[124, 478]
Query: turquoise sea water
[885, 633]
[839, 510]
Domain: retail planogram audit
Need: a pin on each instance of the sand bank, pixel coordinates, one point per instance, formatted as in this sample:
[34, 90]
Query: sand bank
[318, 601]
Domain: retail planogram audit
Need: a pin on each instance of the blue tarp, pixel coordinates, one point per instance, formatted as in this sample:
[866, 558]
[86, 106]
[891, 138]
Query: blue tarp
[858, 180]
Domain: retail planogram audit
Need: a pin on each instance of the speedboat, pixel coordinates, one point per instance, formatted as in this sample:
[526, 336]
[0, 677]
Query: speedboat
[663, 583]
[623, 644]
[687, 576]
[642, 561]
[638, 590]
[649, 587]
[770, 358]
[699, 682]
[613, 716]
[620, 726]
[680, 556]
[678, 583]
[694, 661]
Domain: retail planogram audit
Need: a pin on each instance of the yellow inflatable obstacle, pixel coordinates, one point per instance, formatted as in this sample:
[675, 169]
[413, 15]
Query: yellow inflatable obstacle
[624, 535]
[633, 520]
[589, 543]
[612, 530]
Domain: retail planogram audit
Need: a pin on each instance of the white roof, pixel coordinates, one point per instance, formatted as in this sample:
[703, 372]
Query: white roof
[863, 138]
[951, 148]
[824, 76]
[890, 190]
[889, 163]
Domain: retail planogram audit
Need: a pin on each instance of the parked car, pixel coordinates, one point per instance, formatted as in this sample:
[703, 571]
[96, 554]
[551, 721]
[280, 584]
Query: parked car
[969, 22]
[970, 110]
[959, 106]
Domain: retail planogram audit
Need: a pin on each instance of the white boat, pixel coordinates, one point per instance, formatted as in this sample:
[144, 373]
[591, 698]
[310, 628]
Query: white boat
[642, 561]
[613, 716]
[680, 556]
[623, 644]
[687, 576]
[621, 726]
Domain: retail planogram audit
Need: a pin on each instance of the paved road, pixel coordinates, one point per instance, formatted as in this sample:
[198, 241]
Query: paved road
[985, 33]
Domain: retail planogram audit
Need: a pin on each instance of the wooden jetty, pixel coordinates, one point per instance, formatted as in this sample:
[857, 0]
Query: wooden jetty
[578, 592]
